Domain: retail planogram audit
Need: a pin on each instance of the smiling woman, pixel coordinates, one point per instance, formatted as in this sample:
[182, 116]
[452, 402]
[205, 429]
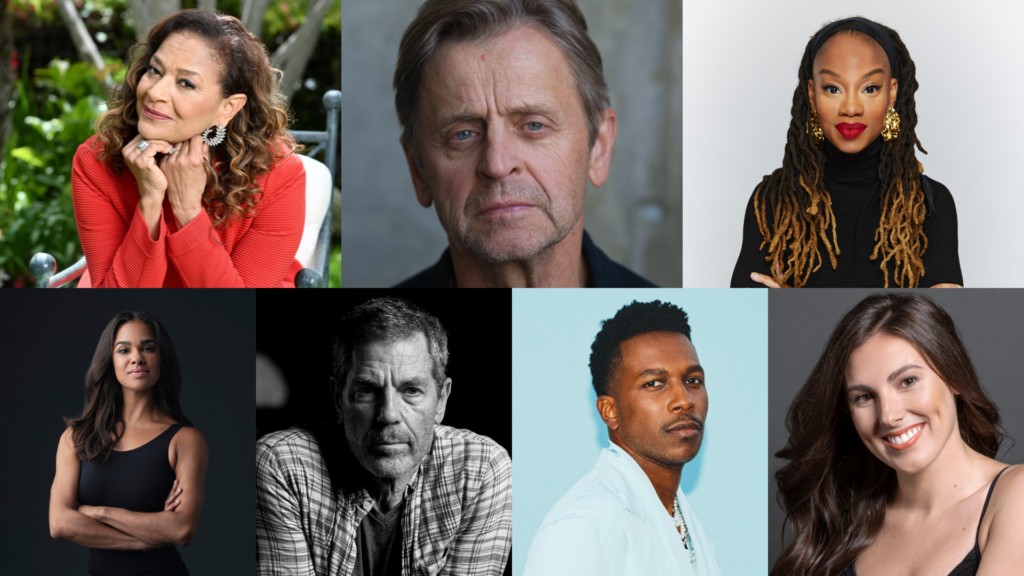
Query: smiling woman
[891, 432]
[213, 196]
[851, 205]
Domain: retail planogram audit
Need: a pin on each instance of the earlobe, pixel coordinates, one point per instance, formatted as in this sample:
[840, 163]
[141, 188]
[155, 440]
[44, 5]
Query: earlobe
[601, 153]
[608, 411]
[442, 401]
[419, 183]
[810, 95]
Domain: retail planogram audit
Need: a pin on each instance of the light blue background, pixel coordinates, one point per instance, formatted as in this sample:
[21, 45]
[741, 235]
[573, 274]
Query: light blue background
[558, 435]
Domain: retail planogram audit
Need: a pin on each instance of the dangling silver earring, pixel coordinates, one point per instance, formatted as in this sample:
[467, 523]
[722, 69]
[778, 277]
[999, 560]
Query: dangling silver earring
[216, 139]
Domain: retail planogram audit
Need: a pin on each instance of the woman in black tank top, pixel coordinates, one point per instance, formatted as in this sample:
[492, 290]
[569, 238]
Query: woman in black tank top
[892, 454]
[131, 470]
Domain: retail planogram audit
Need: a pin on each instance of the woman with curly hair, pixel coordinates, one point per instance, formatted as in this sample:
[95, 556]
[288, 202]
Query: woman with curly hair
[212, 195]
[892, 454]
[131, 470]
[851, 205]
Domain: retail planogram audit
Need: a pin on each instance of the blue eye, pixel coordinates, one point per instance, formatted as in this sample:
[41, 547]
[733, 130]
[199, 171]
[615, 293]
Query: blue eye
[534, 126]
[463, 135]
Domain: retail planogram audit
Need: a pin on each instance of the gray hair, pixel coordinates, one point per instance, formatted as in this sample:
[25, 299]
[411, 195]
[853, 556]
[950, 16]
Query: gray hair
[441, 22]
[388, 320]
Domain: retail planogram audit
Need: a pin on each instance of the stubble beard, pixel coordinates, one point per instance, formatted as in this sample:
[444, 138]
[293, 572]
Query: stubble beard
[494, 240]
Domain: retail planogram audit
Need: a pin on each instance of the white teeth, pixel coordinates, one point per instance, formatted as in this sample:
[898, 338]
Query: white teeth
[903, 438]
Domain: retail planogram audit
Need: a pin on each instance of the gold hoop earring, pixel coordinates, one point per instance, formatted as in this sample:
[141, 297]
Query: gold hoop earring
[891, 131]
[813, 128]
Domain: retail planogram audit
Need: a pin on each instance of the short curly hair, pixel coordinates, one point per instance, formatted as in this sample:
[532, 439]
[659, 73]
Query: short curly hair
[631, 320]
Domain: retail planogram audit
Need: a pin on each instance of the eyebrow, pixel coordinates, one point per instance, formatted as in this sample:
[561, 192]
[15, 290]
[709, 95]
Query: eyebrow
[895, 374]
[187, 72]
[827, 71]
[662, 371]
[367, 381]
[140, 342]
[450, 119]
[899, 371]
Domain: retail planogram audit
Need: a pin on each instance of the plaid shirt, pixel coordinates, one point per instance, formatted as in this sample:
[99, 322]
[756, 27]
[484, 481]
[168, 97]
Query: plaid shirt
[457, 519]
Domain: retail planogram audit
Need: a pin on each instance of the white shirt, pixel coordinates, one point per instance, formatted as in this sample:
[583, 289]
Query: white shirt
[612, 523]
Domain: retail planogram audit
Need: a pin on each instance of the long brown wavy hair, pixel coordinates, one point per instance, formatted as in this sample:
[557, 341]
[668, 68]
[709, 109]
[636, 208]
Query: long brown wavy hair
[834, 491]
[98, 429]
[256, 137]
[794, 211]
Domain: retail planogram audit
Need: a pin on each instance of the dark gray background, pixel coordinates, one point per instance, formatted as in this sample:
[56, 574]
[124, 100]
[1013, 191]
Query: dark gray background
[47, 340]
[991, 324]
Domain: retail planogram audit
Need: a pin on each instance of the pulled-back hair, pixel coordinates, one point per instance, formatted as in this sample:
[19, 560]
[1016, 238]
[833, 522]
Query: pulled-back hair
[794, 211]
[631, 320]
[98, 429]
[833, 489]
[388, 320]
[256, 137]
[441, 22]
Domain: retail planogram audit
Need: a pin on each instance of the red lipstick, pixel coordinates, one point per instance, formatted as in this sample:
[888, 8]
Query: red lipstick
[850, 131]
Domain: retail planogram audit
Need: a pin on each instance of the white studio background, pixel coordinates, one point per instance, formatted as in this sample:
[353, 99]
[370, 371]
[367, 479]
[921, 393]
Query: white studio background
[740, 62]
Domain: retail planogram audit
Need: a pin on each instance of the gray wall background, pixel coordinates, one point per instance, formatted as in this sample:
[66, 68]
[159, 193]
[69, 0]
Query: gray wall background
[740, 62]
[991, 324]
[636, 217]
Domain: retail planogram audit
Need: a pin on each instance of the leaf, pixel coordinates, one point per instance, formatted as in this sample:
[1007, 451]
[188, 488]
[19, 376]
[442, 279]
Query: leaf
[26, 154]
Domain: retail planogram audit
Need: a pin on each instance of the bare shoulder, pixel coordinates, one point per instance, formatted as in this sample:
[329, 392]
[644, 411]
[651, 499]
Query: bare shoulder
[67, 441]
[1008, 493]
[190, 439]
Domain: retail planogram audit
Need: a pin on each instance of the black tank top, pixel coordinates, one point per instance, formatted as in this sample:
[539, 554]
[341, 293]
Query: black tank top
[969, 565]
[138, 480]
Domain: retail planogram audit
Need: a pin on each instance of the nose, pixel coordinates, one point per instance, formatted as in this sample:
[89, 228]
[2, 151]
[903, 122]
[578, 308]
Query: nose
[388, 413]
[157, 91]
[851, 105]
[682, 399]
[501, 157]
[890, 410]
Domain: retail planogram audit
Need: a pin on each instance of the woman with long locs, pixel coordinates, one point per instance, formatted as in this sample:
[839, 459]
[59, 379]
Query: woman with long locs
[891, 454]
[851, 205]
[131, 469]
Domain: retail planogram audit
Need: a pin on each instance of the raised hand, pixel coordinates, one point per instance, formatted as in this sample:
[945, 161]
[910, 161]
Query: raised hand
[148, 176]
[186, 179]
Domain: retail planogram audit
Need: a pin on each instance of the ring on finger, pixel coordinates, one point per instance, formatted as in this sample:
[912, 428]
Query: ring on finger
[143, 145]
[173, 150]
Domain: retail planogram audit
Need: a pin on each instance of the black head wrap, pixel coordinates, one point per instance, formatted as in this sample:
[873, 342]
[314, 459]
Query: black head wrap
[872, 29]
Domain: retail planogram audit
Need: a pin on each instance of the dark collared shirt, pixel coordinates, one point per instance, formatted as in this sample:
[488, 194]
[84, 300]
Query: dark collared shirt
[457, 519]
[604, 273]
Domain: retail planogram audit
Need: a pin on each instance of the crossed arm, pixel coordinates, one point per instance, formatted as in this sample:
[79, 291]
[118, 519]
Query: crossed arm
[120, 529]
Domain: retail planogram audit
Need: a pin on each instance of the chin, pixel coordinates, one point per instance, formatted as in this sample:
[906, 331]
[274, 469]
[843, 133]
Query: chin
[506, 245]
[388, 467]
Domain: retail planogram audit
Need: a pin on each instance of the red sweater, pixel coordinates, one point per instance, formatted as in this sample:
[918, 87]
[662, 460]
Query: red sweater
[258, 252]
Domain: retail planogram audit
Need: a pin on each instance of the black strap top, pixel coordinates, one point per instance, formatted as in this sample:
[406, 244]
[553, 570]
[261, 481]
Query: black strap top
[969, 565]
[138, 480]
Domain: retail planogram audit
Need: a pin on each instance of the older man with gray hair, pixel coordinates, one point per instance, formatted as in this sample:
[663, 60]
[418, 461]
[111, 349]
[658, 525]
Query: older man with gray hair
[505, 117]
[388, 489]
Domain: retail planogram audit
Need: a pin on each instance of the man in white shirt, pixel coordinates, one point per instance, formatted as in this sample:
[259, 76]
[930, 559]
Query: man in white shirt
[628, 515]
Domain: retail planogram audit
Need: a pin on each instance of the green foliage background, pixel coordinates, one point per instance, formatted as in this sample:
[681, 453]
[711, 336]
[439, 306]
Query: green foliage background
[58, 98]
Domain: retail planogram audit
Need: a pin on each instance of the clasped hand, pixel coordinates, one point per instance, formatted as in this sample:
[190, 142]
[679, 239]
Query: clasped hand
[180, 176]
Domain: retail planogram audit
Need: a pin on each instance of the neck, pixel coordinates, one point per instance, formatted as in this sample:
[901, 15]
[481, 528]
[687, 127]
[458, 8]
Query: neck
[559, 266]
[387, 493]
[664, 477]
[956, 473]
[139, 406]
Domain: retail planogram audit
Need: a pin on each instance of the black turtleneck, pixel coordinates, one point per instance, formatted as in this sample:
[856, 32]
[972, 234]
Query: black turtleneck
[852, 182]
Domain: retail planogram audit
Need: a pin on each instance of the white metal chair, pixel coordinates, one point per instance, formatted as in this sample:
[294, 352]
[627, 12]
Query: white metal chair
[314, 251]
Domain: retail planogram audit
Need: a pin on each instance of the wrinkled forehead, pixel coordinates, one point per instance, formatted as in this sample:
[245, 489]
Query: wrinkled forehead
[851, 50]
[395, 358]
[523, 66]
